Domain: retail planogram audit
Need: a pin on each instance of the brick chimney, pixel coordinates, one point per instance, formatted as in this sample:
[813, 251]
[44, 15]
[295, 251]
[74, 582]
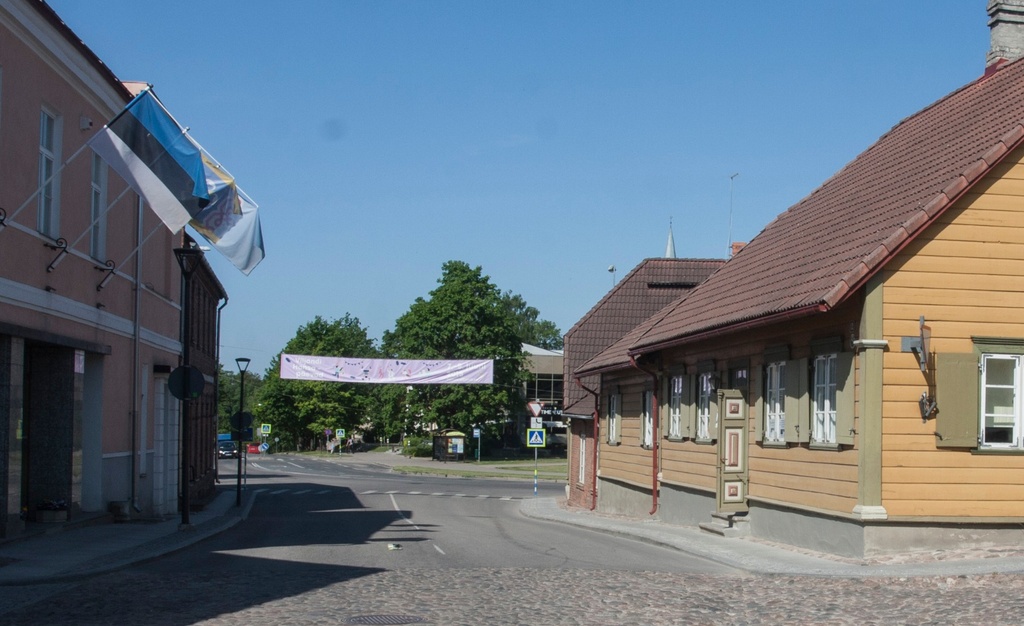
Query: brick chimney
[1006, 25]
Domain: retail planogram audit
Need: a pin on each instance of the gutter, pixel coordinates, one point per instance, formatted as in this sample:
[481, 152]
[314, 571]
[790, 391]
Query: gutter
[597, 443]
[655, 429]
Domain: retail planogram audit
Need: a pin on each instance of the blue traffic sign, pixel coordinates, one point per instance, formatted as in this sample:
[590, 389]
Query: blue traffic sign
[535, 438]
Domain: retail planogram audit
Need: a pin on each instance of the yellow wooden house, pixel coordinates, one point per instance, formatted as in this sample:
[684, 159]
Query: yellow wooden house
[852, 380]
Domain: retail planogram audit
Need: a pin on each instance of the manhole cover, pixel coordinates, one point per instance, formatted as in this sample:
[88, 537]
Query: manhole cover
[386, 620]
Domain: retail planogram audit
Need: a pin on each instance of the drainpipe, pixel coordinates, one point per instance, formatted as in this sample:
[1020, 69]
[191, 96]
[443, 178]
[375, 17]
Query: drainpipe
[655, 429]
[137, 446]
[597, 444]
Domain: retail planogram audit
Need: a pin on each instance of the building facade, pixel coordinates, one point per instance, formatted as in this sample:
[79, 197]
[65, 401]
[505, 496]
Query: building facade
[851, 380]
[90, 295]
[651, 285]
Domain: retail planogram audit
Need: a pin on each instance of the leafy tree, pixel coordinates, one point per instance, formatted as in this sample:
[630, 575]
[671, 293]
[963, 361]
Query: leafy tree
[529, 327]
[301, 410]
[464, 318]
[227, 396]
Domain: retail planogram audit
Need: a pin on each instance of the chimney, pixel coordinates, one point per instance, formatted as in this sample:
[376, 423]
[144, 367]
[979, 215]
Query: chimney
[737, 246]
[1006, 25]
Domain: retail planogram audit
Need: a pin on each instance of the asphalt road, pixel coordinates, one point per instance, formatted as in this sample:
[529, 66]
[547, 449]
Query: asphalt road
[334, 544]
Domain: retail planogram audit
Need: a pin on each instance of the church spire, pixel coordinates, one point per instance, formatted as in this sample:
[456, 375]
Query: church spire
[670, 247]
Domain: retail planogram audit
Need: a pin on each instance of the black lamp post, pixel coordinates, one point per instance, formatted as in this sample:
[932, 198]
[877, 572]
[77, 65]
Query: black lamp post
[243, 364]
[188, 260]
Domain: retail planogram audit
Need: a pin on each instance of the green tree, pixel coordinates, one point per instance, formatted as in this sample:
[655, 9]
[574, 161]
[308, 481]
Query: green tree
[529, 327]
[300, 410]
[227, 396]
[464, 318]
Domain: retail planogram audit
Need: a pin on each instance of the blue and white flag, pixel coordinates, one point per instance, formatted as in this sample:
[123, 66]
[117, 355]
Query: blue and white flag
[179, 180]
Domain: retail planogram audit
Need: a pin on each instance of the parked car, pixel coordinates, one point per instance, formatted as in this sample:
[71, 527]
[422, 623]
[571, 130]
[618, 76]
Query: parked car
[227, 450]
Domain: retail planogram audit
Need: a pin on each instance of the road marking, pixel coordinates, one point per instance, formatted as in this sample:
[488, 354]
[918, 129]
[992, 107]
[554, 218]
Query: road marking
[394, 503]
[439, 549]
[274, 493]
[299, 493]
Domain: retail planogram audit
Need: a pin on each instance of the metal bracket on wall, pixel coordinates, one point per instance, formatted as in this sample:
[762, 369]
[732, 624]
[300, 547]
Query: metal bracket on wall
[62, 245]
[918, 345]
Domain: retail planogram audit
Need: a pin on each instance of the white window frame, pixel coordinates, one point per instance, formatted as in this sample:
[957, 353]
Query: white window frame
[823, 399]
[675, 407]
[581, 474]
[647, 420]
[775, 402]
[48, 201]
[98, 204]
[705, 395]
[614, 415]
[993, 408]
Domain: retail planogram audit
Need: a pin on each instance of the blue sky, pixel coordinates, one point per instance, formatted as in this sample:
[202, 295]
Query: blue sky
[543, 141]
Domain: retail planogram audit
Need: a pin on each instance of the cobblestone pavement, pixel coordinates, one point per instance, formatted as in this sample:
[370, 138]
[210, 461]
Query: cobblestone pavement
[337, 595]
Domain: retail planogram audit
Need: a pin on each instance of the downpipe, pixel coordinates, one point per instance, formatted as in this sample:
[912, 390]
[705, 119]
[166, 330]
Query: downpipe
[597, 443]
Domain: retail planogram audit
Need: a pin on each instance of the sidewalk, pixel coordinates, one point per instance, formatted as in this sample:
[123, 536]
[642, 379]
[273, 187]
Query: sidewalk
[69, 552]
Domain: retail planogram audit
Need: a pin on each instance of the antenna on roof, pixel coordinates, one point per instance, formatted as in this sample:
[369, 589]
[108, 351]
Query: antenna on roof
[731, 179]
[611, 270]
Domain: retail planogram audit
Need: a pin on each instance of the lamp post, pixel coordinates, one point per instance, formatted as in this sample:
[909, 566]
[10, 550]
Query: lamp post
[188, 260]
[243, 364]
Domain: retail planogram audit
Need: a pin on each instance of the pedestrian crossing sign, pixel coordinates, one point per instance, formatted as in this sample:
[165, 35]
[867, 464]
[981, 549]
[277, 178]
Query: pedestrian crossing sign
[535, 438]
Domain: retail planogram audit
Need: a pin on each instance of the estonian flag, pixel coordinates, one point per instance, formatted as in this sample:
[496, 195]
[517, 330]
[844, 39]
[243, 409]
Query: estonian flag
[179, 180]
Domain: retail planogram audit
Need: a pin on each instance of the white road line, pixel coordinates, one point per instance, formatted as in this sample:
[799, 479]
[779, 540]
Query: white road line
[323, 491]
[439, 549]
[507, 498]
[368, 493]
[460, 495]
[415, 493]
[299, 493]
[394, 503]
[274, 493]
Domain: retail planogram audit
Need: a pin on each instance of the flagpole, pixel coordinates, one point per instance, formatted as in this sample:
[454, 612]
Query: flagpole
[48, 181]
[75, 155]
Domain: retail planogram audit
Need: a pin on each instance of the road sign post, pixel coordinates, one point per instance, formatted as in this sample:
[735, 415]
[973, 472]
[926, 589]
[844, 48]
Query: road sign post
[535, 439]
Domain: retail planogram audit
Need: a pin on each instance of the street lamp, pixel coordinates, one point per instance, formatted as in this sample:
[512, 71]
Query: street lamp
[243, 364]
[188, 259]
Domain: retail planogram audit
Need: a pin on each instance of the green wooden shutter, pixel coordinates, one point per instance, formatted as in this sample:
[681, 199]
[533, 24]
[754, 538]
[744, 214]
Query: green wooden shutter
[798, 402]
[689, 416]
[956, 391]
[845, 399]
[757, 387]
[713, 417]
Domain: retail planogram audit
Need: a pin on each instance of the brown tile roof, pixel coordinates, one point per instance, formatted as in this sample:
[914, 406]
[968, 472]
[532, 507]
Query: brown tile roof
[826, 246]
[650, 286]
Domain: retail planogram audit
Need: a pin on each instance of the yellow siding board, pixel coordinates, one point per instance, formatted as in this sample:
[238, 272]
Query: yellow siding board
[915, 295]
[938, 461]
[765, 468]
[953, 492]
[976, 509]
[823, 501]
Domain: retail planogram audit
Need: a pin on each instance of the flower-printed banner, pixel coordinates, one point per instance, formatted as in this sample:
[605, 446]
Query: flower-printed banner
[401, 371]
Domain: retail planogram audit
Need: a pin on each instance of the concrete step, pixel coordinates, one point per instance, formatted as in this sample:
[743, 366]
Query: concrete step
[727, 525]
